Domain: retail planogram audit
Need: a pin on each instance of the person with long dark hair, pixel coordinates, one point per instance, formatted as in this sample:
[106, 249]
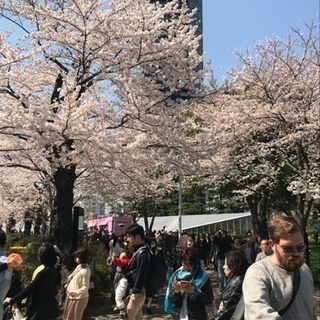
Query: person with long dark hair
[234, 268]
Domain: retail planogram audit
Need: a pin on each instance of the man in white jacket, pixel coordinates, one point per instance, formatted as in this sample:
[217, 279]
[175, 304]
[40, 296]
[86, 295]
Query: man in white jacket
[268, 284]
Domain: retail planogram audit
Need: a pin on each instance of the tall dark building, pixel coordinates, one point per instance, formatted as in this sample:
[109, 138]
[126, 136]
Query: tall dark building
[192, 4]
[198, 4]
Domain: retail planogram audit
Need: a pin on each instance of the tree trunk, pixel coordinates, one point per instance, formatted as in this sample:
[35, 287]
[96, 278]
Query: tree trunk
[27, 227]
[64, 181]
[154, 214]
[258, 209]
[304, 207]
[27, 223]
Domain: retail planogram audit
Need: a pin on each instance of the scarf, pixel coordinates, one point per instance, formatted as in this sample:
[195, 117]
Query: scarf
[198, 276]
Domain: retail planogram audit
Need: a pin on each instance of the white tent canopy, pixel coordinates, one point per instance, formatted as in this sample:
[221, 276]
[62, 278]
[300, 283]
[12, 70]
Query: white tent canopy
[203, 221]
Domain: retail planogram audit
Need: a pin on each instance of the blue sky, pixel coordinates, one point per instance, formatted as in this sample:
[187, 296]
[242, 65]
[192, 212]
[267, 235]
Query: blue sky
[237, 24]
[230, 25]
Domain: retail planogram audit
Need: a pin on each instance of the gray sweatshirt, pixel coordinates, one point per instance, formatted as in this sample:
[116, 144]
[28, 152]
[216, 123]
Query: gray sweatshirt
[267, 288]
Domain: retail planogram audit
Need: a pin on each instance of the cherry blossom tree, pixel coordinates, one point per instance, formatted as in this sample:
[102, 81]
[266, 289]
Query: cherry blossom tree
[88, 82]
[24, 196]
[263, 128]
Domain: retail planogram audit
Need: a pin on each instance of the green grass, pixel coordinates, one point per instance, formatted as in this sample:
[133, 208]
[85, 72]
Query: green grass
[314, 250]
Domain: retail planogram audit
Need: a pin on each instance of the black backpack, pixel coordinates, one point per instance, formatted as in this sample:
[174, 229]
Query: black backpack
[157, 274]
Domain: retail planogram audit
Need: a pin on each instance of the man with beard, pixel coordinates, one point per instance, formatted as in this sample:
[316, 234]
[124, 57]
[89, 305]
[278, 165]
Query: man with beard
[268, 284]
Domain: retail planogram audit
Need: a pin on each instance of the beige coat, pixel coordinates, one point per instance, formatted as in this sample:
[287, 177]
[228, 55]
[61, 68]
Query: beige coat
[78, 283]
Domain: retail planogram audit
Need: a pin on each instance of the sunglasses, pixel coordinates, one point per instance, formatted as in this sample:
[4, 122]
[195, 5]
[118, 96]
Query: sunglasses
[292, 249]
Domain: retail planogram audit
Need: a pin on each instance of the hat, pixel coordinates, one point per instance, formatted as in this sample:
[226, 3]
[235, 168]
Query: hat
[14, 260]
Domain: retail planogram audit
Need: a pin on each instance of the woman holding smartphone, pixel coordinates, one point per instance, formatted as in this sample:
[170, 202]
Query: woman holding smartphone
[189, 289]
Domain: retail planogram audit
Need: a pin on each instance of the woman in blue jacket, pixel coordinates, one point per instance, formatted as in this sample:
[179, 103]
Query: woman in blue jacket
[189, 294]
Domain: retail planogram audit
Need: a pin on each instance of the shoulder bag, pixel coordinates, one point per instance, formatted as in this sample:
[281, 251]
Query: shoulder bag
[238, 313]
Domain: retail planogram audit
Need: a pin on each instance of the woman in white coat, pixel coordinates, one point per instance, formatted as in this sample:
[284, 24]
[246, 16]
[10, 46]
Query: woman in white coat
[77, 287]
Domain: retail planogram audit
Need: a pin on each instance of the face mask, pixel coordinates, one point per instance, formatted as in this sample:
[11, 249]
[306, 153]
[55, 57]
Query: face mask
[77, 260]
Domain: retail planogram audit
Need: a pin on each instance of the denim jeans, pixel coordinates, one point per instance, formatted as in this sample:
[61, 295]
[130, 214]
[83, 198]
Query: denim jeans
[221, 276]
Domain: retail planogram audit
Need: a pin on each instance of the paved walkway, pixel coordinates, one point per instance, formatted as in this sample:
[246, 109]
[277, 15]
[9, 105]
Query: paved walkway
[102, 308]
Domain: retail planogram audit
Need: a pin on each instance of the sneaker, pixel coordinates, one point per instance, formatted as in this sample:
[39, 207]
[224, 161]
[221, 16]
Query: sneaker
[149, 311]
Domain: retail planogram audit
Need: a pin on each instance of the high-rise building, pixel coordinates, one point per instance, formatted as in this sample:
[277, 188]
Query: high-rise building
[192, 4]
[198, 5]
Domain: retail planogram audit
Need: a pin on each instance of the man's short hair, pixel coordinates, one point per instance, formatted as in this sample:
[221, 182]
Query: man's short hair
[282, 226]
[135, 229]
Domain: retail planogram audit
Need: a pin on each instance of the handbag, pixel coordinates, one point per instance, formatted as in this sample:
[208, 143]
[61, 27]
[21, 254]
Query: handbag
[238, 313]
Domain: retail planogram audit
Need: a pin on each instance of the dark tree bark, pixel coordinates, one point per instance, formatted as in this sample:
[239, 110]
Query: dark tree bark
[304, 207]
[64, 179]
[258, 208]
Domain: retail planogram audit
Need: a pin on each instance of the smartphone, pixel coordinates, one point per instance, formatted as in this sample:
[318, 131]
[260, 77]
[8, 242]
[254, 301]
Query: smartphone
[185, 283]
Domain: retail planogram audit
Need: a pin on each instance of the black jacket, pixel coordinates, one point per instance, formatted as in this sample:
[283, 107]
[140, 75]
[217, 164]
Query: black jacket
[230, 296]
[42, 304]
[196, 309]
[137, 270]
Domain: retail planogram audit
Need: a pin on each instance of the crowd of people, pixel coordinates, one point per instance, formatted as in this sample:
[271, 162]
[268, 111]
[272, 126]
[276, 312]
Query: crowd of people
[189, 291]
[258, 278]
[40, 296]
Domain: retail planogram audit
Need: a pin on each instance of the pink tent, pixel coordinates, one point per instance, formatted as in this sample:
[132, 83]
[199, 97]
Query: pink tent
[116, 225]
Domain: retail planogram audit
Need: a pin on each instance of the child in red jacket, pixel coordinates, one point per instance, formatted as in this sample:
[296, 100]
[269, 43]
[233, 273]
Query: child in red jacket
[120, 282]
